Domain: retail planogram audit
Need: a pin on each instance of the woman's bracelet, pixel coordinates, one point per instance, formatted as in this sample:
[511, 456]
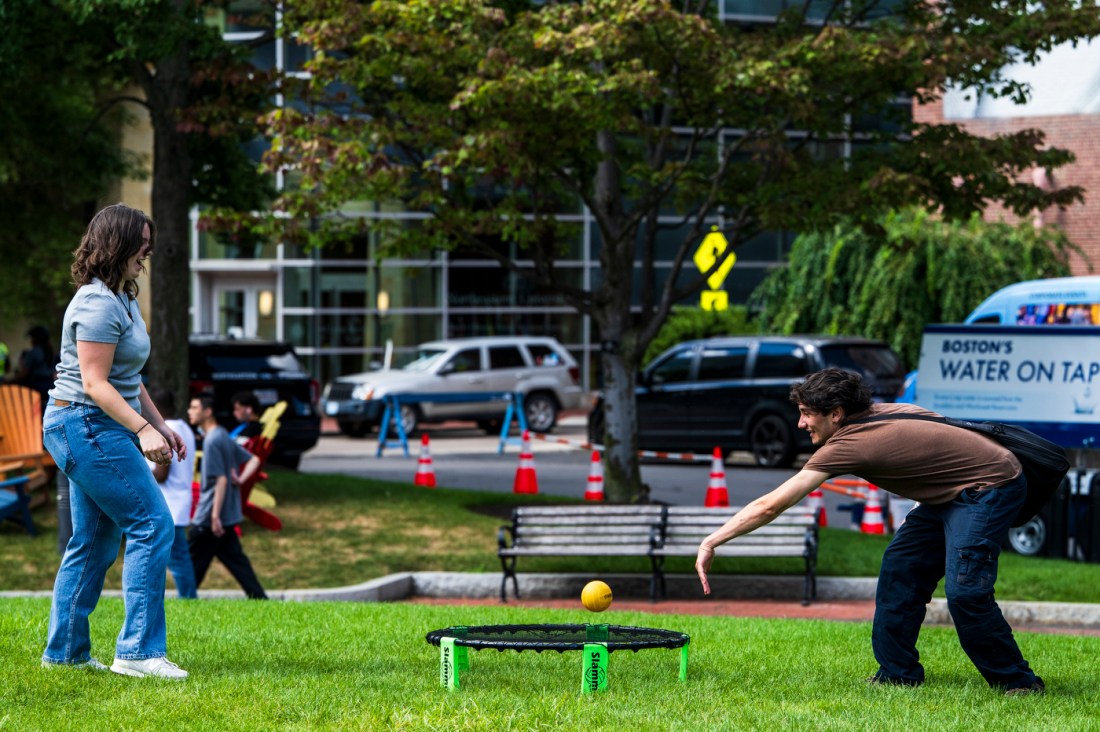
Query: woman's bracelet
[139, 429]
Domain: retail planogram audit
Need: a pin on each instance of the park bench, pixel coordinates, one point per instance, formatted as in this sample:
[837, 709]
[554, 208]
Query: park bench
[792, 534]
[576, 531]
[651, 531]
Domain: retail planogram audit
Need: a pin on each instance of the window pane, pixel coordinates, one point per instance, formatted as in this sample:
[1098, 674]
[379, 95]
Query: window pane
[465, 361]
[506, 357]
[567, 328]
[723, 363]
[494, 286]
[675, 369]
[544, 355]
[776, 360]
[212, 246]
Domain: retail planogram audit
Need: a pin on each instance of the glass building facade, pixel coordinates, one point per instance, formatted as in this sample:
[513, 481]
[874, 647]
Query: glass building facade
[340, 306]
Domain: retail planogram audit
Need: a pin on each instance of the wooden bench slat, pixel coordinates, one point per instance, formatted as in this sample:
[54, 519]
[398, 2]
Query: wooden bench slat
[728, 550]
[596, 521]
[632, 550]
[546, 511]
[589, 529]
[569, 539]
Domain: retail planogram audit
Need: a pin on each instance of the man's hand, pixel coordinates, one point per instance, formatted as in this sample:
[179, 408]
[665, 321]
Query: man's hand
[702, 565]
[216, 527]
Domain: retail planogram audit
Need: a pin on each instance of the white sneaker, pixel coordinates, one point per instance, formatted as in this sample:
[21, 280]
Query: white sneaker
[92, 664]
[159, 667]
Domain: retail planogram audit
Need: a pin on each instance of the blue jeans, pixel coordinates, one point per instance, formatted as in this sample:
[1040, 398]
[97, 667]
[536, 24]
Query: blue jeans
[112, 493]
[961, 541]
[179, 564]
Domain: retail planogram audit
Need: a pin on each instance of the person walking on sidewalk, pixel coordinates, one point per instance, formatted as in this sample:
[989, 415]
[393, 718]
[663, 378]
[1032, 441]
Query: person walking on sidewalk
[99, 423]
[214, 526]
[969, 490]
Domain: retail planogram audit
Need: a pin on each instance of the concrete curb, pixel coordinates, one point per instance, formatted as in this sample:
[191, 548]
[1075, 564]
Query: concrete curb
[474, 585]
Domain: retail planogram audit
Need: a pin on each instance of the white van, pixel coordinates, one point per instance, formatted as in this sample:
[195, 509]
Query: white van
[1056, 301]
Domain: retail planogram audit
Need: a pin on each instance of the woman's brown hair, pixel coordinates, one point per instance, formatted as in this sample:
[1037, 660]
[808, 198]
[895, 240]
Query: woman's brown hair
[114, 235]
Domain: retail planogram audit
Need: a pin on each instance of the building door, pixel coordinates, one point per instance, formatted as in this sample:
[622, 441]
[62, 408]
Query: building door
[243, 310]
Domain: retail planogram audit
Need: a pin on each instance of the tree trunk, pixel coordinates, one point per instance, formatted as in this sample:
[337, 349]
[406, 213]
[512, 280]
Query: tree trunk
[167, 92]
[622, 476]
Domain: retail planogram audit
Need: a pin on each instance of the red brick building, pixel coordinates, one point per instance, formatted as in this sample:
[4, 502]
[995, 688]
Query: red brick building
[1065, 105]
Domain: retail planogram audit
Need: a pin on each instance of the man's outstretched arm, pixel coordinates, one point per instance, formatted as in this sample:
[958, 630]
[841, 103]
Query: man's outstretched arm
[762, 511]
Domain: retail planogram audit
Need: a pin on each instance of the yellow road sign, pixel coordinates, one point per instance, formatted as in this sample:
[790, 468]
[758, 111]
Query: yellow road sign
[710, 251]
[714, 300]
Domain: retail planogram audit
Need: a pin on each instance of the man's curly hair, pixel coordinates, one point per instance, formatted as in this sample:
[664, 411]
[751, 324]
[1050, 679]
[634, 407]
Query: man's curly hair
[830, 388]
[112, 238]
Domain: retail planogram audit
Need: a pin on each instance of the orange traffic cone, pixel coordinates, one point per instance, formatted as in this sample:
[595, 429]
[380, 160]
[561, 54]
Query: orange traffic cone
[425, 475]
[872, 513]
[526, 480]
[817, 505]
[594, 492]
[717, 495]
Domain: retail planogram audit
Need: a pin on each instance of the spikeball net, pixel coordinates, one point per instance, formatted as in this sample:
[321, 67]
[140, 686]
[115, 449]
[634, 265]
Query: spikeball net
[596, 642]
[558, 638]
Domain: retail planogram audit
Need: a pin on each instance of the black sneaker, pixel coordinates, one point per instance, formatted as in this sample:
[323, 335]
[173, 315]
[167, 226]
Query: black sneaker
[1037, 687]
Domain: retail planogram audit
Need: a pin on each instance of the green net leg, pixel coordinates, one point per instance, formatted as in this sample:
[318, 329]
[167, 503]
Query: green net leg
[448, 663]
[594, 668]
[462, 653]
[596, 633]
[683, 662]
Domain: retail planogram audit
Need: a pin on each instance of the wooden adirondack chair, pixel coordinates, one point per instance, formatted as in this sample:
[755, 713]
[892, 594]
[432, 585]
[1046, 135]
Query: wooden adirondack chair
[261, 446]
[21, 439]
[14, 503]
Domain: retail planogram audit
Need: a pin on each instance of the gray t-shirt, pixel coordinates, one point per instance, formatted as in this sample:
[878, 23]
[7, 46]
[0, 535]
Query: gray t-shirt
[97, 314]
[220, 456]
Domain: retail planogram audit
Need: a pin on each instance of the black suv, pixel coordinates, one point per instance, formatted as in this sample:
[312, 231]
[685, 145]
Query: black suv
[273, 373]
[734, 392]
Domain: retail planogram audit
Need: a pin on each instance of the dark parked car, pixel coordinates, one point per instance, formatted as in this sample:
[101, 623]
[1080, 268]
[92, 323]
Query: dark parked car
[273, 373]
[734, 393]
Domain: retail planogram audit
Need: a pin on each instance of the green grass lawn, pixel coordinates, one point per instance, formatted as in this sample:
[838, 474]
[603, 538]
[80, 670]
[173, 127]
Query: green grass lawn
[340, 530]
[270, 666]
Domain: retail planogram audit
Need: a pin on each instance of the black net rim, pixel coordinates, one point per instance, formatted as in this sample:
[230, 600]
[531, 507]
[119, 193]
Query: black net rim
[572, 637]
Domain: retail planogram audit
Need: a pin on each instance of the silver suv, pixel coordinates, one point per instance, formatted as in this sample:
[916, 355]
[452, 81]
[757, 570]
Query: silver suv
[539, 368]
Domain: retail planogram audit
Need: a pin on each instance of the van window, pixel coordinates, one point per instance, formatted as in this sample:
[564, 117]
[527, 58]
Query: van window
[675, 369]
[779, 360]
[1058, 314]
[723, 363]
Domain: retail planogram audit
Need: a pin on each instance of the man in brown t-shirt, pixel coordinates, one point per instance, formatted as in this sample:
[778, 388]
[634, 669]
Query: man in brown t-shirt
[969, 488]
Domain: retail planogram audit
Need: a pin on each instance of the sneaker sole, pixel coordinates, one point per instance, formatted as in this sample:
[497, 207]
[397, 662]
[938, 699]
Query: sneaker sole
[76, 666]
[123, 671]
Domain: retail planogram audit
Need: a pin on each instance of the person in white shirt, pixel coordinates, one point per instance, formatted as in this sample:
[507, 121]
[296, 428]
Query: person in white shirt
[175, 483]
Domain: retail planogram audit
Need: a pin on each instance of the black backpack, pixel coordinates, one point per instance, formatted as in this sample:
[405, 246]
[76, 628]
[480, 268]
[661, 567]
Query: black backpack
[1044, 463]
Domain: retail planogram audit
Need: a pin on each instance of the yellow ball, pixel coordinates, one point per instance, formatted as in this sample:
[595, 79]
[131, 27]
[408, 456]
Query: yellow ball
[596, 596]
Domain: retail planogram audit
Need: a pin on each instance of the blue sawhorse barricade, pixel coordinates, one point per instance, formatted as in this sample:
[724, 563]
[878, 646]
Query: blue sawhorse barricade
[392, 415]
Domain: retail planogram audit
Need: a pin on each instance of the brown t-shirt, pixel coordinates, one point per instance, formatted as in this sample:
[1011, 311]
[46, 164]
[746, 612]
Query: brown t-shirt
[925, 461]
